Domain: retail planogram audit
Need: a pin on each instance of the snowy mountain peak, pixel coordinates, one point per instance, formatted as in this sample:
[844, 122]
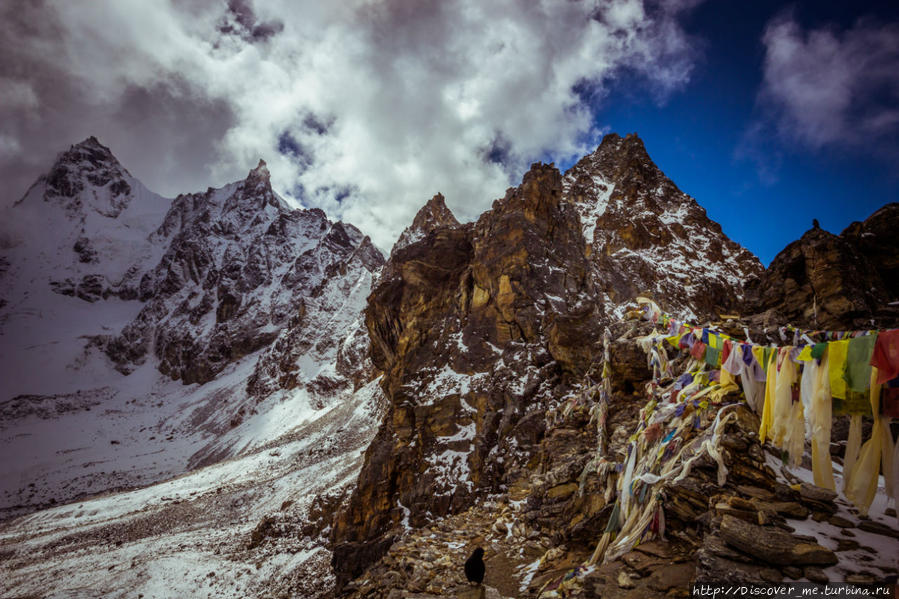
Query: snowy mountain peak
[89, 160]
[432, 215]
[87, 175]
[101, 219]
[617, 158]
[92, 142]
[198, 309]
[260, 173]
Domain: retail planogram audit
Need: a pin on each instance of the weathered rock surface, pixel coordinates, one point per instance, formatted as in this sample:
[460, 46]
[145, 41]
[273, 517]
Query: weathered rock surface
[645, 235]
[431, 216]
[478, 329]
[832, 281]
[773, 546]
[485, 330]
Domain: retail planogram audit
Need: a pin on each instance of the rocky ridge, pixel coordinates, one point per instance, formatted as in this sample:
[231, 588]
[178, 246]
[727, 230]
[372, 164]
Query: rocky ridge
[764, 525]
[473, 328]
[482, 329]
[827, 281]
[240, 269]
[489, 337]
[230, 292]
[645, 236]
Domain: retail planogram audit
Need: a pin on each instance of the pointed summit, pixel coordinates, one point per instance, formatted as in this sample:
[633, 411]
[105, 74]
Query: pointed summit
[88, 154]
[85, 175]
[260, 175]
[434, 214]
[646, 234]
[261, 168]
[619, 157]
[250, 195]
[850, 280]
[631, 140]
[91, 141]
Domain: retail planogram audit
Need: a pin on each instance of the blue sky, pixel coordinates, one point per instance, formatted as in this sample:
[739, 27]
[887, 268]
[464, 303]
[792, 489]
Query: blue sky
[698, 137]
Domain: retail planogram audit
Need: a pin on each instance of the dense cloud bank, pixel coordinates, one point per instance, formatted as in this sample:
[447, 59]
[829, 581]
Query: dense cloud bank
[364, 109]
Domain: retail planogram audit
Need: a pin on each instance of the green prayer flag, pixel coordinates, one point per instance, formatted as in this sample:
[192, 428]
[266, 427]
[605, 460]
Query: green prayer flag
[858, 363]
[818, 350]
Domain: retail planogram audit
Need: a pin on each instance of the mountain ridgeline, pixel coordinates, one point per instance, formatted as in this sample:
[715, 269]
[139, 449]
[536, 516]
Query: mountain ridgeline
[460, 344]
[482, 329]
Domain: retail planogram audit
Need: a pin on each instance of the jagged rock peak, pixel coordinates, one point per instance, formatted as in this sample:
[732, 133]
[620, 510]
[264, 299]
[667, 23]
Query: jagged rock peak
[260, 172]
[616, 155]
[472, 327]
[433, 215]
[89, 155]
[876, 238]
[617, 158]
[87, 165]
[645, 234]
[614, 142]
[92, 142]
[258, 187]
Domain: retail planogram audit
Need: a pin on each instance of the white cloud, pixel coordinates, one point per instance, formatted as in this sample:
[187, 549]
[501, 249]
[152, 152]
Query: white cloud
[825, 86]
[375, 105]
[17, 94]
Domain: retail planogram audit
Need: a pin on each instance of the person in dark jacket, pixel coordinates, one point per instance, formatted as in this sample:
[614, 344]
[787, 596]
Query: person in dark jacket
[475, 568]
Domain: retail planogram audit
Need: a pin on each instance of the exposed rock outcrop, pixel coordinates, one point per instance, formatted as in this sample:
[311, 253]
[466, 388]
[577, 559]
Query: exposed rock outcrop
[489, 338]
[876, 239]
[85, 165]
[646, 236]
[478, 329]
[828, 281]
[431, 216]
[482, 328]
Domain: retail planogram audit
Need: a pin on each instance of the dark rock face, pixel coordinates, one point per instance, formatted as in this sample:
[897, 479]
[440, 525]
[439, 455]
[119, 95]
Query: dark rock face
[477, 329]
[487, 335]
[836, 281]
[242, 268]
[327, 327]
[432, 215]
[877, 240]
[480, 329]
[644, 235]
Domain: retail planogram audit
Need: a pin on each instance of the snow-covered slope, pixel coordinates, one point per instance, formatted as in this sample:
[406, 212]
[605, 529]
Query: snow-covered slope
[244, 527]
[143, 338]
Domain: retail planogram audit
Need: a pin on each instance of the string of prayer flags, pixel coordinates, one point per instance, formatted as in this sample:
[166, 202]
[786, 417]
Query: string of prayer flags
[797, 388]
